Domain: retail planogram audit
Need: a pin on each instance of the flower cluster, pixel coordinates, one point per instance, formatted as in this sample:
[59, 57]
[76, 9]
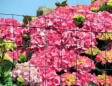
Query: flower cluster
[104, 57]
[29, 74]
[73, 79]
[69, 79]
[74, 43]
[11, 29]
[65, 47]
[105, 79]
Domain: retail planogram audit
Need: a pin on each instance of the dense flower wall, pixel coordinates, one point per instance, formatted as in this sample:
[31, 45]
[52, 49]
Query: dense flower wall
[69, 47]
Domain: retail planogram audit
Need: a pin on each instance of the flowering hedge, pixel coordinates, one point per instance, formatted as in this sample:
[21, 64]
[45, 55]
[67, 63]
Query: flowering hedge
[69, 47]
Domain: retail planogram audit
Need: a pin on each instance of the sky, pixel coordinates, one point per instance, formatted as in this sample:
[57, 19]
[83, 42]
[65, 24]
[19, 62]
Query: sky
[29, 7]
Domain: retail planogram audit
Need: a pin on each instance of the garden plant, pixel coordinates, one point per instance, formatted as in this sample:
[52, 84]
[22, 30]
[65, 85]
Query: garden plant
[68, 46]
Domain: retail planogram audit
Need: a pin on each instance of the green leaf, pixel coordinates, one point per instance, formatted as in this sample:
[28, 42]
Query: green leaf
[6, 67]
[6, 73]
[1, 84]
[6, 57]
[27, 19]
[21, 84]
[22, 58]
[79, 19]
[1, 40]
[92, 1]
[7, 45]
[29, 55]
[103, 6]
[34, 18]
[91, 84]
[20, 79]
[0, 71]
[64, 3]
[94, 9]
[9, 84]
[15, 85]
[9, 79]
[25, 36]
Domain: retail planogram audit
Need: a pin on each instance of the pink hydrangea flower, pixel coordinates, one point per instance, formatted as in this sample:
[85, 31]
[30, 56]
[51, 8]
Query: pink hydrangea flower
[50, 57]
[84, 78]
[49, 76]
[71, 59]
[104, 79]
[28, 73]
[104, 57]
[11, 29]
[81, 40]
[38, 58]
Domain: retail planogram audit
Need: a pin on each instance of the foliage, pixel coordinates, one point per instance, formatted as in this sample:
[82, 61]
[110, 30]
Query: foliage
[64, 3]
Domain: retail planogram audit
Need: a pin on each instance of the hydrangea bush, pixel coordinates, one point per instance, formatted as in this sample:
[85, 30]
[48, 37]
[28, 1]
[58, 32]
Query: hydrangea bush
[72, 46]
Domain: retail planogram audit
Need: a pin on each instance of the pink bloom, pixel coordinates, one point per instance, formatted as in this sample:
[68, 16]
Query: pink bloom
[71, 59]
[38, 58]
[84, 78]
[10, 32]
[51, 57]
[53, 40]
[104, 57]
[104, 79]
[81, 78]
[29, 74]
[49, 76]
[79, 40]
